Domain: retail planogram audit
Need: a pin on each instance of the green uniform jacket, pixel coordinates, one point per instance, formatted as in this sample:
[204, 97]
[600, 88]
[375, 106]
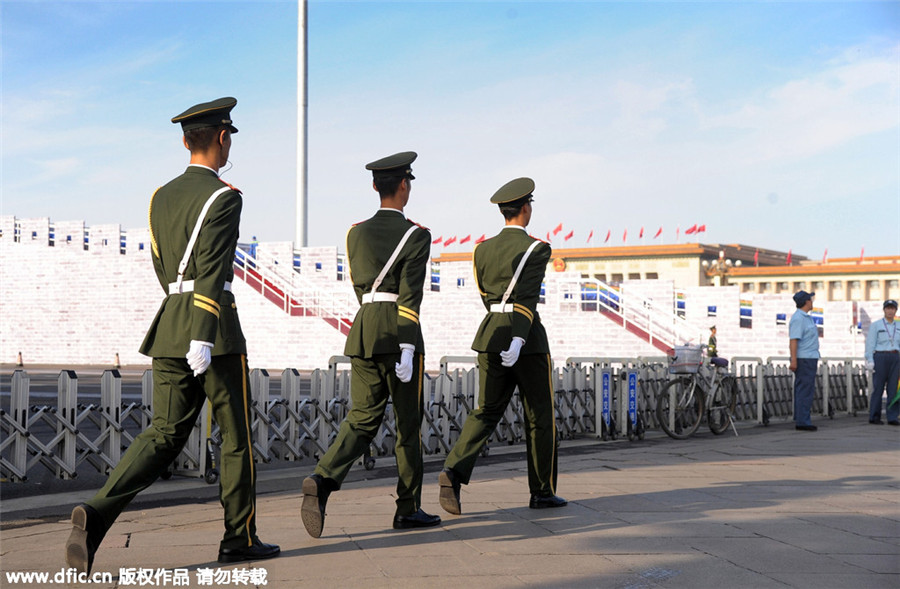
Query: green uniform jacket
[208, 313]
[380, 328]
[495, 262]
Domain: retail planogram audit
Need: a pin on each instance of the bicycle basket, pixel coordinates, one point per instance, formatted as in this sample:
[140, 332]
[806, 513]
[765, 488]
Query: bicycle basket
[684, 359]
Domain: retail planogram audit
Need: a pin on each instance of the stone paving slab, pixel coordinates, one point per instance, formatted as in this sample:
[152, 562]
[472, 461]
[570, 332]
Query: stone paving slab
[770, 508]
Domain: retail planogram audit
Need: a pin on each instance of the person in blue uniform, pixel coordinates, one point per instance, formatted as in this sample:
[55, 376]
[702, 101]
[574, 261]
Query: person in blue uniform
[197, 346]
[883, 357]
[388, 256]
[804, 346]
[513, 351]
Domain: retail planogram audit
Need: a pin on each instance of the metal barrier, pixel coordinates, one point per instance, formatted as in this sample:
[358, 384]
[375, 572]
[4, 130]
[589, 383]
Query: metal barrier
[591, 397]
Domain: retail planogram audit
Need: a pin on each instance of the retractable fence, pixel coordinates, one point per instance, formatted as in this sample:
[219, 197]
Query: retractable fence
[595, 397]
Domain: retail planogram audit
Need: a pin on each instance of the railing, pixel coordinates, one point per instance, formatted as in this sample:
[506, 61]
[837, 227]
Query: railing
[661, 327]
[296, 426]
[294, 294]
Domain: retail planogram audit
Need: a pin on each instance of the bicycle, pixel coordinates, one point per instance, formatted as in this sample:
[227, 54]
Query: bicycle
[698, 390]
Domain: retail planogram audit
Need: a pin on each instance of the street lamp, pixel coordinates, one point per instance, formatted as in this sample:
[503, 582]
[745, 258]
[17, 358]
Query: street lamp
[718, 270]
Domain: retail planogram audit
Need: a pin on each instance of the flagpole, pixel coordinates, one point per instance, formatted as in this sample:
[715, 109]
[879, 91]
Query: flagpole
[300, 237]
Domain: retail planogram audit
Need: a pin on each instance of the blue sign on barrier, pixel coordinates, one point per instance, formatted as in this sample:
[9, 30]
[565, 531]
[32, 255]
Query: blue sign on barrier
[632, 398]
[604, 393]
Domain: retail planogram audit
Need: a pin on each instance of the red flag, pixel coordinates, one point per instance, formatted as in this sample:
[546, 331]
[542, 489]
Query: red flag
[590, 236]
[558, 229]
[701, 228]
[641, 234]
[788, 260]
[677, 231]
[480, 239]
[691, 230]
[465, 239]
[756, 257]
[825, 256]
[438, 240]
[449, 240]
[548, 237]
[569, 235]
[608, 233]
[861, 253]
[625, 236]
[658, 233]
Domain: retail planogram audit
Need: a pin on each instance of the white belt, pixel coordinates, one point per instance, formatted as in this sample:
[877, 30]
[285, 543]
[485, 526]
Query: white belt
[502, 308]
[188, 286]
[379, 297]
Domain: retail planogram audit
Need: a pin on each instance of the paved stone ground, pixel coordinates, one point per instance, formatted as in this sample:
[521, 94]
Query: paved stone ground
[771, 508]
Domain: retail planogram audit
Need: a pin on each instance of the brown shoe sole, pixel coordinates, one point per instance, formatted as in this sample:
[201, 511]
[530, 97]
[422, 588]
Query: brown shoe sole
[76, 547]
[447, 497]
[312, 516]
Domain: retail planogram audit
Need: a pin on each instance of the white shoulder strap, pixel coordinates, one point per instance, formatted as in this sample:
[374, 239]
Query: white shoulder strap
[515, 277]
[196, 232]
[393, 258]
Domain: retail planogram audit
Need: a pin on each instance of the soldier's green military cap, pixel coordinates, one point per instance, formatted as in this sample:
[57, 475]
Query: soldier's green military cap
[513, 191]
[392, 166]
[208, 114]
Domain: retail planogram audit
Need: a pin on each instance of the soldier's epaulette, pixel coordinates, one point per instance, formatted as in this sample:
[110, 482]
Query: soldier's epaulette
[538, 239]
[418, 224]
[230, 186]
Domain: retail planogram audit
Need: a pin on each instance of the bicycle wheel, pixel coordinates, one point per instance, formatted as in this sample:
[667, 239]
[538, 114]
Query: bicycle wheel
[679, 408]
[721, 408]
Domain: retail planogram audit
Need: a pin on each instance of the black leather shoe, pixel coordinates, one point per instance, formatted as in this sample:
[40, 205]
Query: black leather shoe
[87, 533]
[806, 428]
[876, 422]
[449, 495]
[894, 422]
[419, 519]
[538, 502]
[256, 551]
[316, 490]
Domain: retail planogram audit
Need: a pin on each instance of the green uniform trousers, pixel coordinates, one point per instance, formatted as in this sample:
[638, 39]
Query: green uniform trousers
[178, 397]
[532, 374]
[372, 382]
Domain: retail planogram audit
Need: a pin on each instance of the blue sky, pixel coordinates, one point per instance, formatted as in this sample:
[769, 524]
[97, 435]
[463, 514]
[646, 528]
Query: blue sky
[774, 124]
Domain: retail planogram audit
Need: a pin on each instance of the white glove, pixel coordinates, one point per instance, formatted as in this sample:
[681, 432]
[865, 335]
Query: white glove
[404, 368]
[870, 365]
[199, 356]
[510, 356]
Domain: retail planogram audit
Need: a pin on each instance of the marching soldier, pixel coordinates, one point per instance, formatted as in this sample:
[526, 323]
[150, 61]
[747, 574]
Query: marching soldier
[512, 351]
[197, 346]
[388, 257]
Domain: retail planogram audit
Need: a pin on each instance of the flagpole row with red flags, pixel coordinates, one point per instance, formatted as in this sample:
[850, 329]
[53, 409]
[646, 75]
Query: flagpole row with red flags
[692, 230]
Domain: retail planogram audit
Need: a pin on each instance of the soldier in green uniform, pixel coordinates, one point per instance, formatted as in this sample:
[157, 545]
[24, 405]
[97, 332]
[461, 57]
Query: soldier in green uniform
[197, 346]
[388, 257]
[711, 346]
[512, 351]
